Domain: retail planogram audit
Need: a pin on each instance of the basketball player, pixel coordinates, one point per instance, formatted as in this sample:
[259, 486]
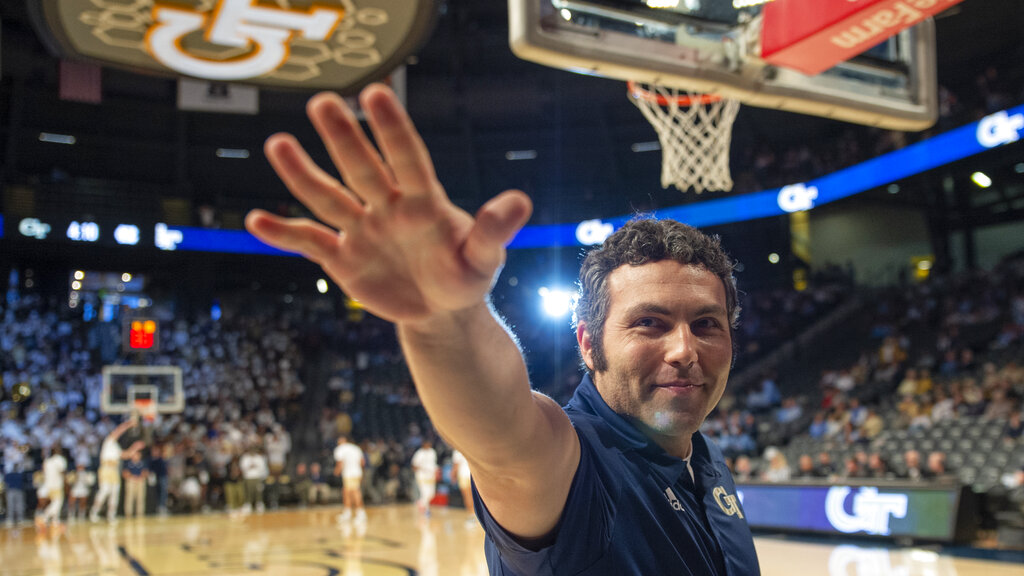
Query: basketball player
[109, 475]
[424, 465]
[81, 481]
[54, 468]
[619, 482]
[349, 462]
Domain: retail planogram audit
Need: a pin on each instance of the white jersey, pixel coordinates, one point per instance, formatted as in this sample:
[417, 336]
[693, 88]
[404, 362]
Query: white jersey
[254, 467]
[351, 458]
[424, 461]
[461, 466]
[53, 473]
[110, 452]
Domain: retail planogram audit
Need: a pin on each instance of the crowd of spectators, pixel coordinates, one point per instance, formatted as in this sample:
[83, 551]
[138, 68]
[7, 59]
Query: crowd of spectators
[943, 357]
[242, 388]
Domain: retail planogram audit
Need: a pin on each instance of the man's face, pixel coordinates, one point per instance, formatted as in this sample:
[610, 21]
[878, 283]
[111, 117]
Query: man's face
[668, 347]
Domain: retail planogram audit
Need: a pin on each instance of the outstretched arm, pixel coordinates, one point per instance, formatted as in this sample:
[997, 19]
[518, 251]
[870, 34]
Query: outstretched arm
[391, 238]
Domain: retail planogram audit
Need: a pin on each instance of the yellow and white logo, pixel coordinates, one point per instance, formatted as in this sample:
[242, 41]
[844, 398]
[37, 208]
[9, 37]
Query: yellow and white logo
[310, 44]
[265, 32]
[727, 502]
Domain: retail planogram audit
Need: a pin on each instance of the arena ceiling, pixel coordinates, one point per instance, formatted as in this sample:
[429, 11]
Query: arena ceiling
[473, 100]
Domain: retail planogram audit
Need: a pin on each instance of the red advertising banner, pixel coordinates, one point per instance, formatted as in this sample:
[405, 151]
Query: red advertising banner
[811, 36]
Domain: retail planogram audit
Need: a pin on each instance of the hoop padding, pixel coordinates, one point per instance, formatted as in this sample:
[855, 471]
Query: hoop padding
[695, 132]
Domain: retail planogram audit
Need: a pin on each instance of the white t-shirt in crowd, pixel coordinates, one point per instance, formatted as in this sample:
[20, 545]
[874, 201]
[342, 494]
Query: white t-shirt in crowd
[351, 458]
[424, 461]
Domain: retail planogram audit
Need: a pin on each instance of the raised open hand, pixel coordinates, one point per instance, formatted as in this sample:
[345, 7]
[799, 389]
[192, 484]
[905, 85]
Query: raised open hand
[389, 236]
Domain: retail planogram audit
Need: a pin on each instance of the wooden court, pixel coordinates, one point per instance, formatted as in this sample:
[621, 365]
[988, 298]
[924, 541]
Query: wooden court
[395, 541]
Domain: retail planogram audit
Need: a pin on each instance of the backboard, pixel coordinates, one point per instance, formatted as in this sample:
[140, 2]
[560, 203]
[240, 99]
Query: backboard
[710, 47]
[123, 385]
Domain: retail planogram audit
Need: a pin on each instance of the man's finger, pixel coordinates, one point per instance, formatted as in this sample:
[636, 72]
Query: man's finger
[497, 222]
[300, 235]
[316, 189]
[360, 165]
[398, 139]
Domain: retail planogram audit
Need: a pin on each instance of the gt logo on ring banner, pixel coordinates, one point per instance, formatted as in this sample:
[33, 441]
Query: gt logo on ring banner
[237, 23]
[314, 44]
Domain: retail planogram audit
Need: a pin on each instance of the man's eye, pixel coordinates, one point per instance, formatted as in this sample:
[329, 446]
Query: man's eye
[707, 323]
[646, 322]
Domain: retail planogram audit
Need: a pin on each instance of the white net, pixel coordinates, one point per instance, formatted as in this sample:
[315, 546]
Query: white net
[694, 131]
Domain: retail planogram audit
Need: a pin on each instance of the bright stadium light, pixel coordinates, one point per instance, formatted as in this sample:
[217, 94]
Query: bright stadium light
[981, 179]
[321, 286]
[557, 303]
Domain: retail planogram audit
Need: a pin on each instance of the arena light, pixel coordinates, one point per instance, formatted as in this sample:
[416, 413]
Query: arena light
[126, 277]
[557, 303]
[57, 138]
[669, 4]
[521, 155]
[773, 258]
[651, 146]
[321, 286]
[566, 14]
[981, 179]
[232, 153]
[79, 274]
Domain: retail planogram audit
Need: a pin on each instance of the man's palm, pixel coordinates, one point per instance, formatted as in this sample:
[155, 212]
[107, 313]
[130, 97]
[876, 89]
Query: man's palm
[401, 247]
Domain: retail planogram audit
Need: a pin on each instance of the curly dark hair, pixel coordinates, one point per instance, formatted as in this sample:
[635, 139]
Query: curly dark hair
[640, 241]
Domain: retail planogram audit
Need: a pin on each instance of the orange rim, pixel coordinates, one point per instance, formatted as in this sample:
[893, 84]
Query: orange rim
[682, 100]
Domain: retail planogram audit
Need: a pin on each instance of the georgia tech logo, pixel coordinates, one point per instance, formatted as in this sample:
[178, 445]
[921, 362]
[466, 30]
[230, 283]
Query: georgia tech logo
[592, 232]
[797, 197]
[727, 502]
[267, 32]
[871, 510]
[999, 128]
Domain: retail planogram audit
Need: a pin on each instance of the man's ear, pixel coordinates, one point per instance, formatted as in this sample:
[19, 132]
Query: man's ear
[586, 345]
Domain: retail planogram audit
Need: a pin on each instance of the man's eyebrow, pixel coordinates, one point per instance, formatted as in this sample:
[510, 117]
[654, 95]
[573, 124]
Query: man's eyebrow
[647, 308]
[654, 308]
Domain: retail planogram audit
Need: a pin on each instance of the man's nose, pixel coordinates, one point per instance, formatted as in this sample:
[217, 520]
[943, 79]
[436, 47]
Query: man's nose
[682, 347]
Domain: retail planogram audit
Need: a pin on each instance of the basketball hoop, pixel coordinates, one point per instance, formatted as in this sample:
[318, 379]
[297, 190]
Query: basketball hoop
[694, 131]
[144, 408]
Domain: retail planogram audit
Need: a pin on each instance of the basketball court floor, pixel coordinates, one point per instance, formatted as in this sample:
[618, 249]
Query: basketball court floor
[395, 541]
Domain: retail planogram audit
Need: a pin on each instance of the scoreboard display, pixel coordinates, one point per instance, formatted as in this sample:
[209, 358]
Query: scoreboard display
[140, 335]
[88, 230]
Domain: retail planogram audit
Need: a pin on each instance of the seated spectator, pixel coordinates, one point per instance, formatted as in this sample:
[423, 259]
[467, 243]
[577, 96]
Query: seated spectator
[789, 412]
[943, 408]
[742, 469]
[825, 467]
[319, 490]
[302, 483]
[914, 469]
[1014, 428]
[858, 413]
[805, 468]
[853, 469]
[878, 467]
[873, 425]
[818, 426]
[778, 467]
[908, 386]
[936, 470]
[1000, 406]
